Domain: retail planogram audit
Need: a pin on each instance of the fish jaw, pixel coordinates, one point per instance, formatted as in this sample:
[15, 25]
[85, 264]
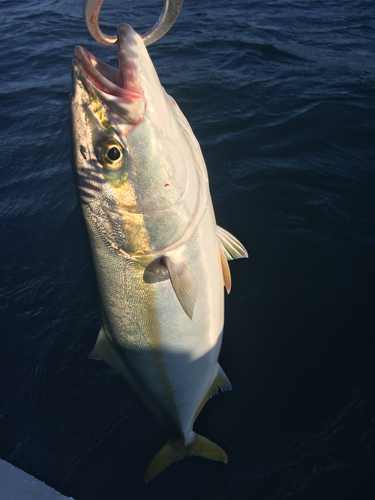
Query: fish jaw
[160, 194]
[119, 89]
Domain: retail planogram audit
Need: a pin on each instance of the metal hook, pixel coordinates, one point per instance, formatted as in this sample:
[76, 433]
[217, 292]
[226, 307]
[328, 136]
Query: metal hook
[166, 20]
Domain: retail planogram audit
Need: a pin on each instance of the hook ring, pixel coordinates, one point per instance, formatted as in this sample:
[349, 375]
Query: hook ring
[165, 22]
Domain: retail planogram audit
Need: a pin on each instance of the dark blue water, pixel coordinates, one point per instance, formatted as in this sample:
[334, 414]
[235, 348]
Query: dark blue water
[281, 96]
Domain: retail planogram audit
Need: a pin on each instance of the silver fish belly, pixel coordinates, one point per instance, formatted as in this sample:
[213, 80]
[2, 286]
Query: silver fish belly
[160, 259]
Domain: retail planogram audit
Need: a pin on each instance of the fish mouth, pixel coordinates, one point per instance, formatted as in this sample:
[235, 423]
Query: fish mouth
[119, 89]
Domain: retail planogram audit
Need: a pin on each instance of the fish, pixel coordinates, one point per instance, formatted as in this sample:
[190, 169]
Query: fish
[160, 259]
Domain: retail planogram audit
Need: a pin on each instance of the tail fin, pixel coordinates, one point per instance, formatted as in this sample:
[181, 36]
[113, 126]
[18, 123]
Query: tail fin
[175, 449]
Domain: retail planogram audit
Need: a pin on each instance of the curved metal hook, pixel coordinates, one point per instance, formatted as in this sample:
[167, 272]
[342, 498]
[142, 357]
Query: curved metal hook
[166, 20]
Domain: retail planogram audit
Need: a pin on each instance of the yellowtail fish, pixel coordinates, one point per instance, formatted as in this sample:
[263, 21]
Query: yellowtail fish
[160, 259]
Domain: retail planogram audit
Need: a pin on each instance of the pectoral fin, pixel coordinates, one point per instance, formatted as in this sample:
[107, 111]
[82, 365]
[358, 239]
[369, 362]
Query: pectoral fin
[233, 248]
[184, 284]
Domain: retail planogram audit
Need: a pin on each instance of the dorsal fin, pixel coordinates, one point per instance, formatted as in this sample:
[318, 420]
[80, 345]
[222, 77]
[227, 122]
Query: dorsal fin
[232, 247]
[184, 284]
[105, 350]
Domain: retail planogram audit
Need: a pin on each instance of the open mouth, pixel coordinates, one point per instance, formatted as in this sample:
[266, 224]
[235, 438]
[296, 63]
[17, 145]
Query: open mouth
[119, 89]
[106, 78]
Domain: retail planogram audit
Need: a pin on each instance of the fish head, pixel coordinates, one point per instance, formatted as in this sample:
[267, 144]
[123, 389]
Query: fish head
[141, 176]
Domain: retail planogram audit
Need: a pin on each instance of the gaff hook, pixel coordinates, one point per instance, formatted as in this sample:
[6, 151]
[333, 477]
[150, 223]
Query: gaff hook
[166, 20]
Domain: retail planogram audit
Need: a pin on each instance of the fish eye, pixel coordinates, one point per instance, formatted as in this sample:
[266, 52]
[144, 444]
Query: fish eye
[111, 154]
[114, 153]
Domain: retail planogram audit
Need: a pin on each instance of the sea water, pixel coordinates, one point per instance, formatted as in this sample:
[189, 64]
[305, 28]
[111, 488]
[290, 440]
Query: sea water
[281, 97]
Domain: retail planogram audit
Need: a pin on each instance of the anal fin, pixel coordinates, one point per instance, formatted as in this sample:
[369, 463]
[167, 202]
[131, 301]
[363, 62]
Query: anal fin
[221, 381]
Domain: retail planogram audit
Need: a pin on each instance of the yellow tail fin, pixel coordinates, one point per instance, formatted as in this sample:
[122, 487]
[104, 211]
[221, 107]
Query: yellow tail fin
[176, 449]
